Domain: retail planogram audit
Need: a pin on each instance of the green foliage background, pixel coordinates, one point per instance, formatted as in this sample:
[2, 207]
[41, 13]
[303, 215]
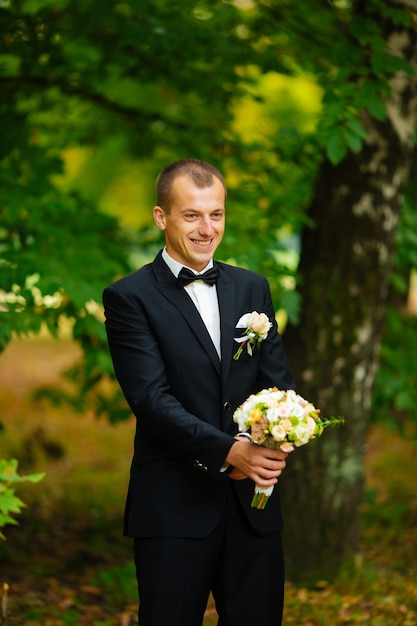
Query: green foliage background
[98, 95]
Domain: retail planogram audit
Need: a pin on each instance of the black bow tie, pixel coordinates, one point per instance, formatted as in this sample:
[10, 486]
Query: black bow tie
[186, 276]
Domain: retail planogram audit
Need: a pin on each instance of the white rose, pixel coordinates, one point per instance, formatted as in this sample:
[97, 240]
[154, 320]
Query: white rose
[272, 415]
[311, 424]
[302, 434]
[260, 324]
[278, 432]
[295, 410]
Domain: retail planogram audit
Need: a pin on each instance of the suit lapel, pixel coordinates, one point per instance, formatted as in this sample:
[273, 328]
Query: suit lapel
[226, 299]
[167, 284]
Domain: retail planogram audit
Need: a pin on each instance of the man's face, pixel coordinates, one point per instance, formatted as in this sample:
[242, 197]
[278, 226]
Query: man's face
[195, 225]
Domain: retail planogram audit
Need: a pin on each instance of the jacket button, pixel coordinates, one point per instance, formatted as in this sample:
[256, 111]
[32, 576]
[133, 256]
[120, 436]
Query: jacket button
[227, 406]
[200, 466]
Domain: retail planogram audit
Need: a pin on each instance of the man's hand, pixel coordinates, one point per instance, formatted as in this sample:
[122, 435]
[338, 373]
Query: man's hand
[249, 460]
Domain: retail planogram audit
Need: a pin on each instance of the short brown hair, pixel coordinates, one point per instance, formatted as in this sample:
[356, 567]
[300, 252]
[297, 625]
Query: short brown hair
[201, 173]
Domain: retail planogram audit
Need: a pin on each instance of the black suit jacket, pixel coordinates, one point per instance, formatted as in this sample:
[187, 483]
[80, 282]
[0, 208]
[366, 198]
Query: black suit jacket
[183, 397]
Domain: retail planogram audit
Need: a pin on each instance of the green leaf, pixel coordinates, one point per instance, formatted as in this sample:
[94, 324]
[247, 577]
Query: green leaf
[353, 141]
[9, 503]
[8, 473]
[376, 108]
[336, 148]
[356, 127]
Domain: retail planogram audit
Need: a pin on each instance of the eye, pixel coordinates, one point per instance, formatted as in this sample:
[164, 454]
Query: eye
[190, 216]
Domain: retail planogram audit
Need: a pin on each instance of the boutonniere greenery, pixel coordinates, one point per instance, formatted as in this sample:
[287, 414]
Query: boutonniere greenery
[257, 326]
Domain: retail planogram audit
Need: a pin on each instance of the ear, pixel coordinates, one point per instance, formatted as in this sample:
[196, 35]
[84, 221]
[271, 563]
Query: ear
[159, 216]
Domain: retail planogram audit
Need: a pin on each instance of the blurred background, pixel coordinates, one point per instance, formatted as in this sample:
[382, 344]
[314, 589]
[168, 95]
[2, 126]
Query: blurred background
[311, 115]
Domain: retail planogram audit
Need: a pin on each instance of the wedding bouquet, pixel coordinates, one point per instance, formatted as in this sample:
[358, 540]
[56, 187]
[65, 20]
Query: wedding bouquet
[281, 420]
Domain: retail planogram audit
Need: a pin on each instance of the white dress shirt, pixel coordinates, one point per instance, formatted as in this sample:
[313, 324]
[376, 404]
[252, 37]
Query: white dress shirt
[204, 297]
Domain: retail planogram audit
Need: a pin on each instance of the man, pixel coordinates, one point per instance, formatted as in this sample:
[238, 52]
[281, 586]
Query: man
[192, 476]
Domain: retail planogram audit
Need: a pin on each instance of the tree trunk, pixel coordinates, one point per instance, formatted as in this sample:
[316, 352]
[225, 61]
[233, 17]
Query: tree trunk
[344, 267]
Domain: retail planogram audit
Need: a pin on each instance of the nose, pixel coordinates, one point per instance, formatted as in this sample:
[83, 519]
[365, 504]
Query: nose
[206, 227]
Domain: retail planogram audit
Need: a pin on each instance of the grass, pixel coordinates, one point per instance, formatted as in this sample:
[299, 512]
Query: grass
[67, 563]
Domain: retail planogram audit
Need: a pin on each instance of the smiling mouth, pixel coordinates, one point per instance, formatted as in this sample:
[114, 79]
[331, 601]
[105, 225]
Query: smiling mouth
[202, 243]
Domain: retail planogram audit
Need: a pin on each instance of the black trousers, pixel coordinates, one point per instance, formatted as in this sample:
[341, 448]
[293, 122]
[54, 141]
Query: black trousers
[244, 571]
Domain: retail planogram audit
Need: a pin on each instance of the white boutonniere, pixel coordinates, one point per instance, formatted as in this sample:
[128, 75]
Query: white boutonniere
[256, 327]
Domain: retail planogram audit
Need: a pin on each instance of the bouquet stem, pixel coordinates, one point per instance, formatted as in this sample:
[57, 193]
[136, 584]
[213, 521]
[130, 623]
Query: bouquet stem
[261, 497]
[259, 501]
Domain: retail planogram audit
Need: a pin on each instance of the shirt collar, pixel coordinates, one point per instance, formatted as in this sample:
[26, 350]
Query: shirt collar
[176, 267]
